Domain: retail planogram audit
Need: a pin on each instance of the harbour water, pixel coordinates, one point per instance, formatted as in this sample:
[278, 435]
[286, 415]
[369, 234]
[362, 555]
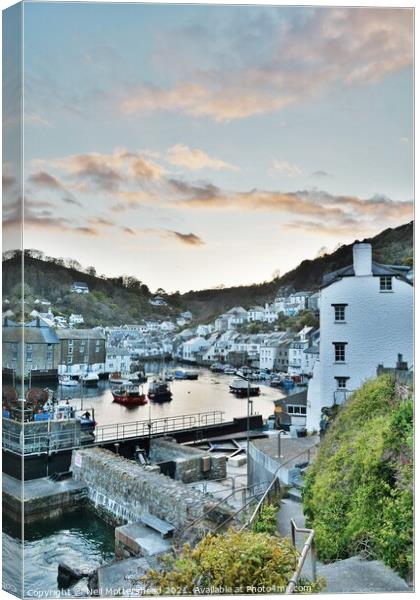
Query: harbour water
[47, 543]
[209, 392]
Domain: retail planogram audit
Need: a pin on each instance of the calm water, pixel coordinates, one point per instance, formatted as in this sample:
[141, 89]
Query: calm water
[210, 392]
[68, 538]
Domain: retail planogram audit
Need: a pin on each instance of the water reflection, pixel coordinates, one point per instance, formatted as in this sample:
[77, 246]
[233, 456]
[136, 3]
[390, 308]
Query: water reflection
[210, 392]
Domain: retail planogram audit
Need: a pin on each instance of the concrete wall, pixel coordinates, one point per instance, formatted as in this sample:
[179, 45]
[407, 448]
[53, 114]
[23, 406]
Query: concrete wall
[189, 463]
[262, 468]
[126, 490]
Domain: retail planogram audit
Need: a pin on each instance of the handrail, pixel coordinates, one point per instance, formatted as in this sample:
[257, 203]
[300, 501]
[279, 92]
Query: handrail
[308, 545]
[204, 515]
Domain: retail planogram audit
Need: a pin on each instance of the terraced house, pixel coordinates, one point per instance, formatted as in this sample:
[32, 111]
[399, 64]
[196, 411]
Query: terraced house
[81, 350]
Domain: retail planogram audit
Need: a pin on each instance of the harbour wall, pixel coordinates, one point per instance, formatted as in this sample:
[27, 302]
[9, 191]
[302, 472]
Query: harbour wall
[184, 463]
[127, 491]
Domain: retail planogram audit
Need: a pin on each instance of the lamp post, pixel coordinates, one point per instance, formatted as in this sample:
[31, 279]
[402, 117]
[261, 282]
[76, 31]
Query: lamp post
[281, 432]
[248, 403]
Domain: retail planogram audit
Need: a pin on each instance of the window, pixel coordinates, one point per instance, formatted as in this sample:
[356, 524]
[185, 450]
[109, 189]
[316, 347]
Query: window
[341, 382]
[340, 351]
[339, 311]
[385, 283]
[69, 360]
[296, 410]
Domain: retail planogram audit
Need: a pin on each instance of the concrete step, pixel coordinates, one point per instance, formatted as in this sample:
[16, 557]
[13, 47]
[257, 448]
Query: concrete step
[294, 494]
[355, 574]
[136, 539]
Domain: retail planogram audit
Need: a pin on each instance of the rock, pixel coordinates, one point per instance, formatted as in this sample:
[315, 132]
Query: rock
[67, 575]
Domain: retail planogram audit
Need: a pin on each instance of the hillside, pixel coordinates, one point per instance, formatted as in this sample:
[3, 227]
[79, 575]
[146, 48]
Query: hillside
[114, 301]
[391, 246]
[358, 494]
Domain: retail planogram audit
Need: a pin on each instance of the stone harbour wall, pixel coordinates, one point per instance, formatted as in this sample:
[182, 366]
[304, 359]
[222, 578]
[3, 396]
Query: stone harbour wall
[189, 464]
[126, 490]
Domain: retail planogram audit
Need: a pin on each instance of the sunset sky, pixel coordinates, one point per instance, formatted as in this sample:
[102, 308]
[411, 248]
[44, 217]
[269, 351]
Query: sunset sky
[193, 146]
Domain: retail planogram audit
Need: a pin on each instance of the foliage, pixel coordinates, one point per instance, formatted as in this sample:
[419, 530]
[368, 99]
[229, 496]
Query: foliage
[267, 520]
[358, 494]
[236, 561]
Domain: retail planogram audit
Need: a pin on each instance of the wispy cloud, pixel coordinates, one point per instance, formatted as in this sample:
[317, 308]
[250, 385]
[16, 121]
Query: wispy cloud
[331, 47]
[195, 159]
[284, 167]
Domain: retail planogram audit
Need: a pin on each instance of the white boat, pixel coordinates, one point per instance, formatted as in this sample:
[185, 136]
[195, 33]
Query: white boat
[228, 370]
[67, 381]
[89, 379]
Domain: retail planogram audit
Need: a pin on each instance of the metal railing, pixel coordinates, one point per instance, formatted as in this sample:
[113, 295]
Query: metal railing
[121, 431]
[308, 546]
[40, 443]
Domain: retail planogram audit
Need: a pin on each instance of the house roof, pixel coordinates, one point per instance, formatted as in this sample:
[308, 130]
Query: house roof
[31, 334]
[79, 284]
[300, 398]
[377, 270]
[80, 334]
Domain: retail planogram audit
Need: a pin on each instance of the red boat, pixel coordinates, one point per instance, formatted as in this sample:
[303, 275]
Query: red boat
[129, 395]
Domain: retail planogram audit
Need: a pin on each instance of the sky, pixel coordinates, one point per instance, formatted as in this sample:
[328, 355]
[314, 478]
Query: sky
[200, 146]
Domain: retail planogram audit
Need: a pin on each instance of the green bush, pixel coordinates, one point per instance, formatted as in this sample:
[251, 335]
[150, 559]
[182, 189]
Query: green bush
[358, 493]
[267, 520]
[237, 562]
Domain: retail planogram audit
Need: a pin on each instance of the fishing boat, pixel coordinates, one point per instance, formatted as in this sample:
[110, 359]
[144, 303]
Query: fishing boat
[64, 411]
[136, 377]
[159, 391]
[89, 379]
[117, 378]
[129, 395]
[183, 374]
[217, 368]
[241, 388]
[67, 381]
[228, 370]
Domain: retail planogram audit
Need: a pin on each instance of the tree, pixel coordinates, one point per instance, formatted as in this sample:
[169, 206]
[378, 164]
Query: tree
[91, 271]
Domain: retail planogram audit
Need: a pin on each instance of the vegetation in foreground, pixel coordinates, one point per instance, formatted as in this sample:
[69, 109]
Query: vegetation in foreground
[358, 494]
[241, 562]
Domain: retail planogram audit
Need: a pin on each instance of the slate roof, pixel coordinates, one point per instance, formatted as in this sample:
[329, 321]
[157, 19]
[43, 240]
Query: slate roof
[377, 270]
[80, 334]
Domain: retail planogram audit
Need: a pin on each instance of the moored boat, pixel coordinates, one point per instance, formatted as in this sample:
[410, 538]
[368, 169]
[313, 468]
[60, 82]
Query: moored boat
[217, 368]
[241, 388]
[89, 379]
[67, 381]
[129, 395]
[159, 391]
[184, 374]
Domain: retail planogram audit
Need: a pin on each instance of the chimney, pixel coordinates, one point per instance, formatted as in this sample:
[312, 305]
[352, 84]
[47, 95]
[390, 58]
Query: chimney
[362, 259]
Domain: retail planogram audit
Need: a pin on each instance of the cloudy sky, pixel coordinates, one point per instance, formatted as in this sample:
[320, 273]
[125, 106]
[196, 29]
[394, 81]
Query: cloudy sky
[193, 146]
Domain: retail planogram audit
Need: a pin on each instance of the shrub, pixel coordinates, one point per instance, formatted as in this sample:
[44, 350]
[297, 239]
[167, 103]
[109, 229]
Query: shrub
[237, 562]
[358, 493]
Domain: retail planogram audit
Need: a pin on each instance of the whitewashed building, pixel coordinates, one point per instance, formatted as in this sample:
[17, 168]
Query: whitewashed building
[78, 287]
[192, 347]
[76, 319]
[366, 319]
[256, 313]
[118, 360]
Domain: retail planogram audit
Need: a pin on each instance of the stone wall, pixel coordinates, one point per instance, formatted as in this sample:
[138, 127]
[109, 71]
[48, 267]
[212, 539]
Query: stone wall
[126, 490]
[189, 464]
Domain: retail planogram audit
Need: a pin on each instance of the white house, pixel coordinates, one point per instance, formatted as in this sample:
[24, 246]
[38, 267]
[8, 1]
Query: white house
[117, 359]
[187, 315]
[75, 319]
[366, 319]
[236, 316]
[256, 313]
[157, 301]
[204, 329]
[192, 347]
[167, 326]
[78, 287]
